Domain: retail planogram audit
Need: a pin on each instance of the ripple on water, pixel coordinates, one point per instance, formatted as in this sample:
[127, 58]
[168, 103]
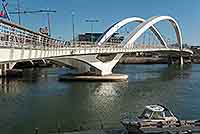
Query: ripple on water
[41, 100]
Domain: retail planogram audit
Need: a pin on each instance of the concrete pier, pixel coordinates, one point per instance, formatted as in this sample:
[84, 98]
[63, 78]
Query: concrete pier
[181, 60]
[111, 77]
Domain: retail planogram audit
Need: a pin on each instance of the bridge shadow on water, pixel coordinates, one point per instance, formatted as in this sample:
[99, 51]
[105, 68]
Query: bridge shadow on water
[144, 72]
[176, 72]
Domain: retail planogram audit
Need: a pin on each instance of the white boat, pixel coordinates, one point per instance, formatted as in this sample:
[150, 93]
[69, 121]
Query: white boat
[158, 119]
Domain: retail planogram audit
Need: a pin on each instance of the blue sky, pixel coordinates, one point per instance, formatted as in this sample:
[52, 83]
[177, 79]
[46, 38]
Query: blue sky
[186, 12]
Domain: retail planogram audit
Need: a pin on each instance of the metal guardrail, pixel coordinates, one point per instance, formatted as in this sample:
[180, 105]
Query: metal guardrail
[16, 36]
[13, 35]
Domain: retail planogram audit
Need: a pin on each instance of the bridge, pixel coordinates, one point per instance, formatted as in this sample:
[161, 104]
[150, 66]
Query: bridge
[19, 44]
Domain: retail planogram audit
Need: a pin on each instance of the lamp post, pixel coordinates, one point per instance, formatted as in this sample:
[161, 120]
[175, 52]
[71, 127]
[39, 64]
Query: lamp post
[49, 24]
[92, 21]
[73, 33]
[48, 11]
[18, 10]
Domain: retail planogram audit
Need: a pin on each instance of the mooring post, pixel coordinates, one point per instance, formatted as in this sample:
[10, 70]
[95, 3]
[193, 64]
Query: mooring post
[101, 124]
[0, 69]
[59, 129]
[36, 131]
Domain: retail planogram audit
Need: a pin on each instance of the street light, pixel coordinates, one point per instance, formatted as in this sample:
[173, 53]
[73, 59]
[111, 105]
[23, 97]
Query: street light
[73, 33]
[92, 21]
[18, 10]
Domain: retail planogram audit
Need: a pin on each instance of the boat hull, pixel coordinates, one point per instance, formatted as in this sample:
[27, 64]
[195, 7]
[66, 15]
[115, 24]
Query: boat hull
[168, 129]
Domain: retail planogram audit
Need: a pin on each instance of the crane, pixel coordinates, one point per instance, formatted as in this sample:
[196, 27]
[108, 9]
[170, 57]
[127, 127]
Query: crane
[48, 11]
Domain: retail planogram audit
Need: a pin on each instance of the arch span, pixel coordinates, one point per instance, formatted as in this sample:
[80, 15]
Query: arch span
[115, 27]
[140, 29]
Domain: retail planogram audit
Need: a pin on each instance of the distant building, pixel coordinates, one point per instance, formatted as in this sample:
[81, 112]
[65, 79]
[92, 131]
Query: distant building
[195, 47]
[185, 45]
[93, 37]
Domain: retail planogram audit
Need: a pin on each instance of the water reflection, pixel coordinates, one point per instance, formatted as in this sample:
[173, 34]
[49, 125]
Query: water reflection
[31, 79]
[38, 99]
[155, 72]
[8, 86]
[110, 89]
[139, 73]
[105, 99]
[176, 72]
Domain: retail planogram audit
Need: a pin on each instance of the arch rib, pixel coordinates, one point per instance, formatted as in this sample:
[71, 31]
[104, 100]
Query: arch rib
[140, 29]
[110, 31]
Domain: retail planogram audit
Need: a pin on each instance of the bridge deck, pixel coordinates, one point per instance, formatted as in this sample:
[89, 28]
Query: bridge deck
[20, 54]
[18, 43]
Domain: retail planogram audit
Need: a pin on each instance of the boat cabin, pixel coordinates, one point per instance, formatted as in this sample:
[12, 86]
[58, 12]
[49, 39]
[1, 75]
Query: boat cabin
[157, 113]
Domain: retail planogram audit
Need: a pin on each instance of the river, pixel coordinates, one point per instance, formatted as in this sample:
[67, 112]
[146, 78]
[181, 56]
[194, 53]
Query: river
[39, 100]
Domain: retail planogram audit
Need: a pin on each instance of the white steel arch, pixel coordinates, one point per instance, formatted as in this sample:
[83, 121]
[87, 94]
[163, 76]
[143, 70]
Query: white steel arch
[111, 30]
[140, 29]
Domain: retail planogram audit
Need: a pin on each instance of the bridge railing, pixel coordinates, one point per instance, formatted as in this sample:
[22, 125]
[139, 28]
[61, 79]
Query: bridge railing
[17, 36]
[13, 35]
[91, 44]
[113, 45]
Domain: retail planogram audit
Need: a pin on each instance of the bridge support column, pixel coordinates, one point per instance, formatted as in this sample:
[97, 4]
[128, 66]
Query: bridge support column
[176, 60]
[170, 60]
[11, 65]
[181, 60]
[3, 70]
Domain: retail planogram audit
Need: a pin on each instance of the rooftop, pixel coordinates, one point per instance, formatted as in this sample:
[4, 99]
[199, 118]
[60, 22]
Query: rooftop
[155, 108]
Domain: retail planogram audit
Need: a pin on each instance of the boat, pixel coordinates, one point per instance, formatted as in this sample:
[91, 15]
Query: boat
[158, 119]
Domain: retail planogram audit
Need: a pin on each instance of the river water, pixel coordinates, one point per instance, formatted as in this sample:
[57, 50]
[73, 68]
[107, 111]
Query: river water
[39, 100]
